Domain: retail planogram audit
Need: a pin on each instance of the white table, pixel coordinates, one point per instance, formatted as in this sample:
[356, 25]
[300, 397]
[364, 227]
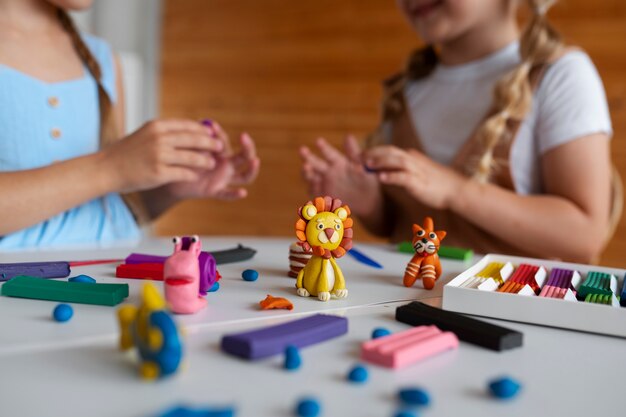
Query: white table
[74, 369]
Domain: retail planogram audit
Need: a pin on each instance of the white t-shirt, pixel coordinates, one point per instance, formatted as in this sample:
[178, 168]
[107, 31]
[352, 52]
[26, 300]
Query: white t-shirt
[569, 103]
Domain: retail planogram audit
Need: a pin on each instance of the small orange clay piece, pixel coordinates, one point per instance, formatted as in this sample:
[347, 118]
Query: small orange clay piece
[273, 303]
[425, 263]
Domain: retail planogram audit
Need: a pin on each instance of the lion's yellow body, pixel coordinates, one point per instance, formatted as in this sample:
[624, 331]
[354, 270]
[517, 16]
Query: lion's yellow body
[321, 276]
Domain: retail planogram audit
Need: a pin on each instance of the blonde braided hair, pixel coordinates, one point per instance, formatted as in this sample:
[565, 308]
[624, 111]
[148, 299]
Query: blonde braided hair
[513, 92]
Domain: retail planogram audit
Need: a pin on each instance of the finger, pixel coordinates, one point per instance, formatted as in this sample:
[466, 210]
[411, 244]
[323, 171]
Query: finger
[208, 124]
[188, 140]
[353, 149]
[307, 171]
[388, 158]
[231, 194]
[190, 159]
[180, 174]
[221, 133]
[317, 163]
[248, 148]
[247, 152]
[248, 174]
[317, 186]
[399, 178]
[177, 125]
[329, 152]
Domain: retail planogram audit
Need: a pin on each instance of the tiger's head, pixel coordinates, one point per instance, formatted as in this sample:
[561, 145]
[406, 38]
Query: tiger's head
[426, 240]
[325, 227]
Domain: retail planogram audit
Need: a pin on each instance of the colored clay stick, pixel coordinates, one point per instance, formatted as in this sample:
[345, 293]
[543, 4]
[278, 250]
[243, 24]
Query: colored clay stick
[525, 274]
[406, 247]
[608, 299]
[450, 252]
[140, 271]
[64, 291]
[467, 329]
[597, 283]
[268, 341]
[497, 271]
[185, 411]
[472, 282]
[364, 259]
[142, 258]
[622, 297]
[35, 269]
[492, 270]
[404, 348]
[238, 254]
[94, 262]
[559, 279]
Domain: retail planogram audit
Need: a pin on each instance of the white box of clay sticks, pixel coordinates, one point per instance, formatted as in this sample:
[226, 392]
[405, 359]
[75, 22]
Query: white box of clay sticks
[541, 292]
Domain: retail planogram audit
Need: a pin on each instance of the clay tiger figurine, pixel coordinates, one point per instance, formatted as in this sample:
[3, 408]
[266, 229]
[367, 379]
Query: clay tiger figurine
[425, 263]
[325, 227]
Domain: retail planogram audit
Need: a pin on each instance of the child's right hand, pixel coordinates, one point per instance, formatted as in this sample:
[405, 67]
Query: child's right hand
[161, 152]
[341, 175]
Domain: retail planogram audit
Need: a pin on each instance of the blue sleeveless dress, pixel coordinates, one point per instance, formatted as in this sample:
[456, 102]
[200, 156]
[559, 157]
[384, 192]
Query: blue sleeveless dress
[42, 123]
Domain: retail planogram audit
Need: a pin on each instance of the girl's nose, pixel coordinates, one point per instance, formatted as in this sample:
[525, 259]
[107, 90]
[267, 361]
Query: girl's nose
[329, 232]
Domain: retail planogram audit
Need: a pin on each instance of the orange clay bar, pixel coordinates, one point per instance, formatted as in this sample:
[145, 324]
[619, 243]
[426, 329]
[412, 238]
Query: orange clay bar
[273, 303]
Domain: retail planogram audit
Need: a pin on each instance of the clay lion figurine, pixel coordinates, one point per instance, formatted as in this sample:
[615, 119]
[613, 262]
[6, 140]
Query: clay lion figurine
[325, 227]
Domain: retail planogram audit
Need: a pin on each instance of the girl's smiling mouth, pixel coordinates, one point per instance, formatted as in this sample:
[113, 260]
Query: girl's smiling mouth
[423, 9]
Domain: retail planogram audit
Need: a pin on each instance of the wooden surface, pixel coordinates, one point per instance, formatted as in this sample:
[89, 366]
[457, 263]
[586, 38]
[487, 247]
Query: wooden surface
[288, 72]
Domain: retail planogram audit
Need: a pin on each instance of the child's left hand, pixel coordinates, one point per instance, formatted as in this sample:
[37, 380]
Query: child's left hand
[427, 181]
[231, 172]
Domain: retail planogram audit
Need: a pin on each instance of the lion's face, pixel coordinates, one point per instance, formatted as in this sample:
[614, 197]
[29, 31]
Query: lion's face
[325, 230]
[325, 227]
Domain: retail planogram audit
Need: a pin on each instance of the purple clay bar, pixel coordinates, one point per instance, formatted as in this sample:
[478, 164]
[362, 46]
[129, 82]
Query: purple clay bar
[273, 340]
[55, 269]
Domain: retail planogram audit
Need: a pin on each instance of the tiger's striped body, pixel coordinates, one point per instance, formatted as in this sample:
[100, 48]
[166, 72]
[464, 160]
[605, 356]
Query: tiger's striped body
[425, 264]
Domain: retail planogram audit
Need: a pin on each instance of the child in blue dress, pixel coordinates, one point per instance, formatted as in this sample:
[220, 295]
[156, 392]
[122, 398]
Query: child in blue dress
[67, 176]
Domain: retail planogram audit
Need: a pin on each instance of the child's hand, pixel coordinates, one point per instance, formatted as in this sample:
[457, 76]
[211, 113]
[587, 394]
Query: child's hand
[161, 152]
[341, 175]
[231, 171]
[425, 180]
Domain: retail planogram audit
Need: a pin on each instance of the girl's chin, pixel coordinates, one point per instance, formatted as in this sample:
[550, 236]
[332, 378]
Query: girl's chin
[74, 5]
[431, 33]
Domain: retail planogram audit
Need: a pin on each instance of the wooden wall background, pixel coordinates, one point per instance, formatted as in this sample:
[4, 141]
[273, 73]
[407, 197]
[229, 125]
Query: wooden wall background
[290, 71]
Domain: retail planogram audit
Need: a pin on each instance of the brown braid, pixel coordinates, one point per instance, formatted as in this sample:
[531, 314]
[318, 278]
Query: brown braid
[108, 127]
[109, 131]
